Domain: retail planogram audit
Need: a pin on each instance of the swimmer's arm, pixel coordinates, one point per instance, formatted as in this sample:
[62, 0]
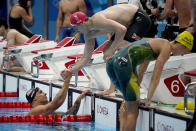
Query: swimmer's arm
[141, 70]
[26, 28]
[167, 9]
[27, 17]
[74, 109]
[119, 31]
[59, 20]
[108, 25]
[89, 48]
[56, 102]
[161, 60]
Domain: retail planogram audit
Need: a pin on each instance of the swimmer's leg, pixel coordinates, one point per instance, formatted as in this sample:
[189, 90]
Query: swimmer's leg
[132, 114]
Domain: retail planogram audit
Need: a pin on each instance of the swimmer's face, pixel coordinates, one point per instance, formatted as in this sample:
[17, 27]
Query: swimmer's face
[179, 49]
[2, 31]
[41, 96]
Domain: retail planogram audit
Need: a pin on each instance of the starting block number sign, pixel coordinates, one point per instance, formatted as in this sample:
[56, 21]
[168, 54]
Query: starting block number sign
[165, 123]
[105, 112]
[175, 86]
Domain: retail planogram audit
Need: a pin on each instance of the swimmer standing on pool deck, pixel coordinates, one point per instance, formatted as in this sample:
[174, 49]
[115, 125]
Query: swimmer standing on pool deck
[122, 69]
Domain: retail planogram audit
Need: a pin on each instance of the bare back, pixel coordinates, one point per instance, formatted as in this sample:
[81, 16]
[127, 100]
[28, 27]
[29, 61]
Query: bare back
[184, 12]
[68, 7]
[122, 13]
[16, 38]
[15, 11]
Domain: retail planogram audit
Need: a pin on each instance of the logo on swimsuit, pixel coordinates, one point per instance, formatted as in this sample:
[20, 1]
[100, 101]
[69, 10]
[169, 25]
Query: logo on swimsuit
[135, 36]
[164, 127]
[122, 61]
[102, 110]
[139, 19]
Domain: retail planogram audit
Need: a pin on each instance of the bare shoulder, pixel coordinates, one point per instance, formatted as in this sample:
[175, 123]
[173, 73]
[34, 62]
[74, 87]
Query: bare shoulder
[160, 46]
[19, 9]
[159, 40]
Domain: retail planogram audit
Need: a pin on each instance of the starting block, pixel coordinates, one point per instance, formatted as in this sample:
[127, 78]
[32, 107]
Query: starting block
[56, 57]
[23, 52]
[170, 89]
[96, 69]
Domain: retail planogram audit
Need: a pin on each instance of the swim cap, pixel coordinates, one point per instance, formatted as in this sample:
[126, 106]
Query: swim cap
[186, 39]
[77, 18]
[30, 95]
[190, 105]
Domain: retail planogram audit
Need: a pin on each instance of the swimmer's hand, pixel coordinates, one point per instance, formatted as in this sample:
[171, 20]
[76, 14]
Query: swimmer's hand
[57, 38]
[87, 91]
[145, 102]
[108, 54]
[28, 4]
[77, 37]
[66, 74]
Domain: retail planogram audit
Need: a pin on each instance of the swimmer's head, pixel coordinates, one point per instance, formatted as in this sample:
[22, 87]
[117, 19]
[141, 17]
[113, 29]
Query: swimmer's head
[3, 27]
[77, 18]
[185, 38]
[30, 95]
[23, 3]
[3, 23]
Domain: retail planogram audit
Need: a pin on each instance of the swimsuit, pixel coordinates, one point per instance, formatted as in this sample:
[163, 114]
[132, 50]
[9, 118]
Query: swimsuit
[140, 26]
[122, 67]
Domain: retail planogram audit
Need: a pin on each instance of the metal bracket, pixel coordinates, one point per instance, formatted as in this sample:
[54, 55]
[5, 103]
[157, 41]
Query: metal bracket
[40, 59]
[7, 58]
[188, 95]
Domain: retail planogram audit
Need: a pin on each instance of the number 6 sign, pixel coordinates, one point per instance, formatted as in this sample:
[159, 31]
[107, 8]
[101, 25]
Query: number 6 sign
[175, 86]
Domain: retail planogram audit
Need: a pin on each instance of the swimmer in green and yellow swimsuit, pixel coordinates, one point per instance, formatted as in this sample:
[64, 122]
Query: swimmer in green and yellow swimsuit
[122, 69]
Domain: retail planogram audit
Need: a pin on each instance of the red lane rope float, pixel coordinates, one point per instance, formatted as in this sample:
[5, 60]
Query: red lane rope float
[8, 94]
[31, 118]
[78, 118]
[15, 105]
[44, 119]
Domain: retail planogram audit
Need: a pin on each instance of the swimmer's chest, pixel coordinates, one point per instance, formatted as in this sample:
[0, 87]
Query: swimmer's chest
[70, 6]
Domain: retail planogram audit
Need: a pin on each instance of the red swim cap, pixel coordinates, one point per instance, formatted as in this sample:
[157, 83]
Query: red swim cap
[77, 18]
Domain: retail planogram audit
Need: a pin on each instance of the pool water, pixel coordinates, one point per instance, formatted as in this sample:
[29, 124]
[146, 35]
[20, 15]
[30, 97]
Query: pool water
[34, 126]
[69, 126]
